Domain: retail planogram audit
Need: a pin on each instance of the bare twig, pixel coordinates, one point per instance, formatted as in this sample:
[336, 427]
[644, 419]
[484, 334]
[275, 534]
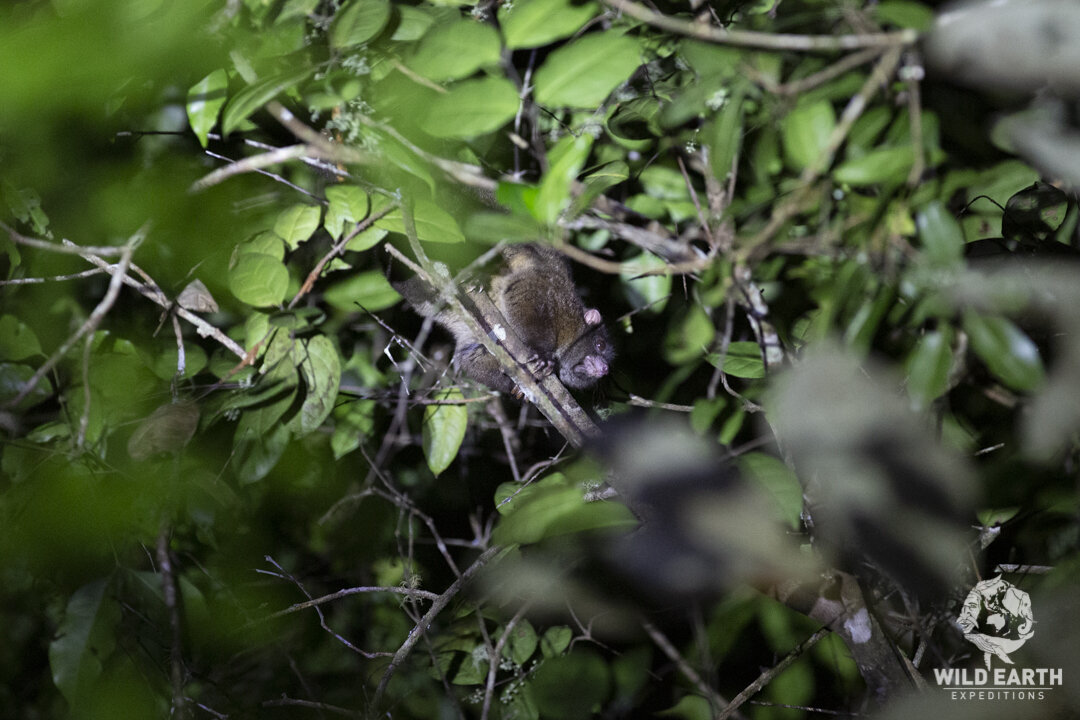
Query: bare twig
[67, 248]
[496, 653]
[54, 278]
[638, 401]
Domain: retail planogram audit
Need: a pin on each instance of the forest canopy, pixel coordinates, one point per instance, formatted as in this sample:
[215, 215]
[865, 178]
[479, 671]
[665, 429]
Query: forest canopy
[834, 244]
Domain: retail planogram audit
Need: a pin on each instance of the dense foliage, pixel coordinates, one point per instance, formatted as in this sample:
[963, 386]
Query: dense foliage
[239, 477]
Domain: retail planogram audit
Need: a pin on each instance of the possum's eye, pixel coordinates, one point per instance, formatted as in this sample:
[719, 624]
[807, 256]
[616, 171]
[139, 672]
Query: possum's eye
[600, 345]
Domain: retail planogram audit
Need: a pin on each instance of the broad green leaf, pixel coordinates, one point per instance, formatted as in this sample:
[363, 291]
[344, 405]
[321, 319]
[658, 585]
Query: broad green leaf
[724, 135]
[883, 165]
[522, 642]
[456, 50]
[13, 377]
[259, 280]
[321, 372]
[266, 242]
[550, 507]
[689, 338]
[353, 421]
[743, 360]
[1009, 354]
[493, 227]
[167, 430]
[370, 290]
[941, 236]
[164, 359]
[413, 23]
[297, 223]
[555, 640]
[204, 102]
[905, 14]
[257, 453]
[779, 483]
[84, 641]
[433, 224]
[472, 107]
[359, 22]
[251, 98]
[17, 340]
[565, 161]
[348, 204]
[689, 707]
[805, 132]
[296, 9]
[649, 292]
[532, 23]
[568, 687]
[584, 72]
[443, 430]
[928, 368]
[597, 182]
[706, 411]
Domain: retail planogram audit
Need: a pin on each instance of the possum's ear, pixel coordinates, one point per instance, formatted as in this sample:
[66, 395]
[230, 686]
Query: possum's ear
[592, 316]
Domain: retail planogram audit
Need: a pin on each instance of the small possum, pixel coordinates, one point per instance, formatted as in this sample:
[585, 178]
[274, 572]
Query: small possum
[537, 296]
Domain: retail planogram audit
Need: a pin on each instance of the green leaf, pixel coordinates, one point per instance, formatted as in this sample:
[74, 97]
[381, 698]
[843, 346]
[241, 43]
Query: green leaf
[905, 14]
[257, 453]
[456, 50]
[553, 506]
[883, 165]
[522, 642]
[84, 641]
[17, 340]
[743, 360]
[204, 102]
[472, 107]
[353, 422]
[689, 707]
[650, 292]
[690, 337]
[433, 224]
[251, 98]
[297, 223]
[565, 161]
[724, 135]
[413, 23]
[13, 377]
[1008, 353]
[359, 22]
[167, 430]
[443, 430]
[569, 687]
[941, 236]
[779, 483]
[584, 72]
[266, 242]
[532, 23]
[805, 132]
[348, 204]
[259, 280]
[370, 290]
[555, 640]
[928, 368]
[321, 372]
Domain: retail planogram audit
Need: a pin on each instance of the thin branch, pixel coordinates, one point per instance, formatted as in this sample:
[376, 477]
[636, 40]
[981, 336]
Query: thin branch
[68, 248]
[96, 316]
[36, 280]
[170, 595]
[496, 653]
[638, 401]
[150, 292]
[429, 617]
[661, 641]
[765, 41]
[250, 164]
[767, 676]
[337, 249]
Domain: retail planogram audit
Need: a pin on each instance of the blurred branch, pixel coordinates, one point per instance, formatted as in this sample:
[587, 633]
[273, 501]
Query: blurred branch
[251, 164]
[765, 41]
